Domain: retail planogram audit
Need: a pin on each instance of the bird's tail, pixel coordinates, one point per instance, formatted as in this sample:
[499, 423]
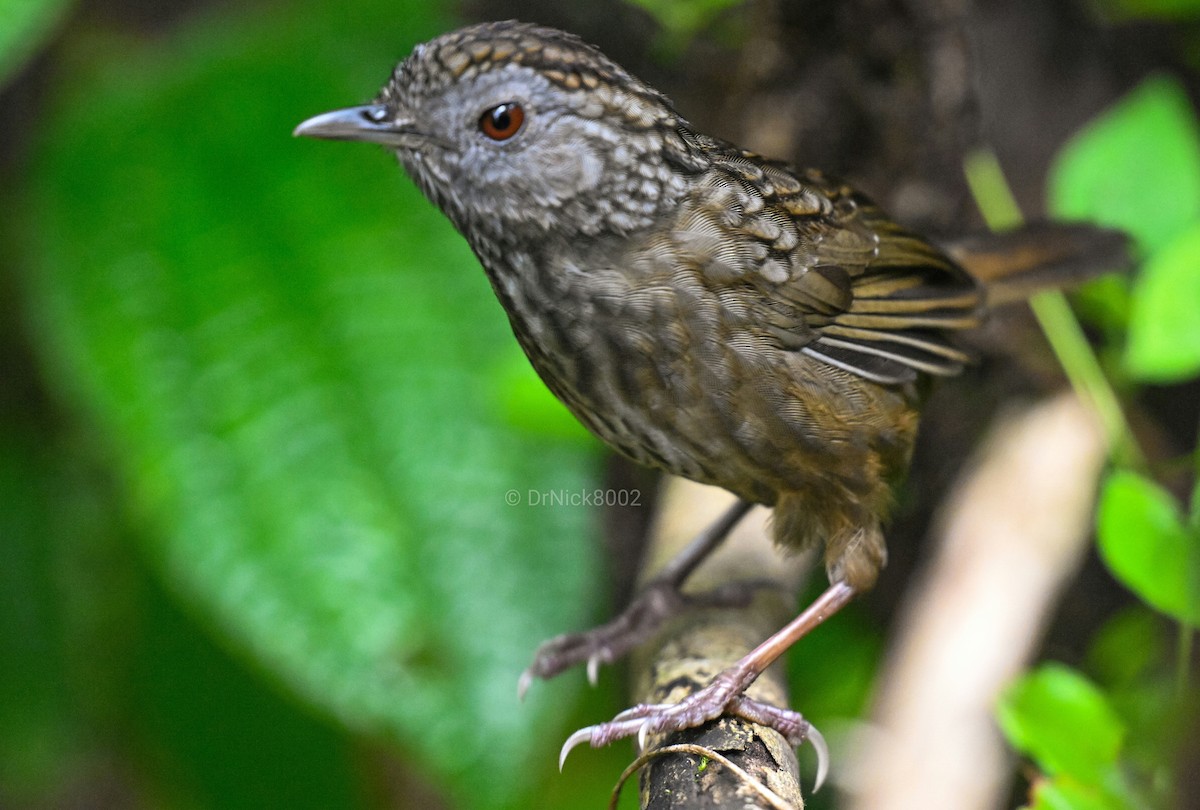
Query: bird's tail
[1017, 264]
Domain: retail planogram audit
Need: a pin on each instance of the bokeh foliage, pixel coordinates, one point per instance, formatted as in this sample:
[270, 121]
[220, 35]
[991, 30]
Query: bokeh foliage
[299, 374]
[1110, 745]
[24, 24]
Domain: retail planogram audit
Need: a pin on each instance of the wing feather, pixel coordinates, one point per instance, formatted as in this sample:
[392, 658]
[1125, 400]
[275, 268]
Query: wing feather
[905, 297]
[836, 279]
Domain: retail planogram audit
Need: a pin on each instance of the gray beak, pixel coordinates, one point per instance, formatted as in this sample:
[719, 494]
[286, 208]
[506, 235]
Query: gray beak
[371, 123]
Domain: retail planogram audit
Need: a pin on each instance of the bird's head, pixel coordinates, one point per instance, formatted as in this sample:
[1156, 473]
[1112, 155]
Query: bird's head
[520, 130]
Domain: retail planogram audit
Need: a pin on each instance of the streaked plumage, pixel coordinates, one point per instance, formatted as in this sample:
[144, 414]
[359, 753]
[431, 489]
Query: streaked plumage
[704, 310]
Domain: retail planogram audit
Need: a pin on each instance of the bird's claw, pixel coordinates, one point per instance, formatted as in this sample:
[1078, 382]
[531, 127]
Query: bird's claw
[643, 735]
[655, 718]
[531, 673]
[817, 739]
[593, 668]
[659, 601]
[602, 734]
[523, 684]
[583, 735]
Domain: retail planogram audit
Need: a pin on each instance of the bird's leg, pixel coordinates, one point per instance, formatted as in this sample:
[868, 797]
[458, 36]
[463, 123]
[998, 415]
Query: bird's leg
[725, 694]
[659, 600]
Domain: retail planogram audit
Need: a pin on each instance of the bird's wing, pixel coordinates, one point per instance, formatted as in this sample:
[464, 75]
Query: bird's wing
[835, 278]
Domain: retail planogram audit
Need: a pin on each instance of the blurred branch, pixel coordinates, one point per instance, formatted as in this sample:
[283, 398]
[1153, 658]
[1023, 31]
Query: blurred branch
[1012, 535]
[690, 651]
[953, 101]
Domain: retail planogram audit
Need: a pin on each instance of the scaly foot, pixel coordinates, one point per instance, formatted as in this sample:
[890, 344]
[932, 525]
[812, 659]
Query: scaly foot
[726, 693]
[723, 696]
[659, 601]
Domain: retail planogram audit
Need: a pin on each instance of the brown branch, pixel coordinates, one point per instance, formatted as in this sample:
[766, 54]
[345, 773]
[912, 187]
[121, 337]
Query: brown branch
[1011, 536]
[695, 647]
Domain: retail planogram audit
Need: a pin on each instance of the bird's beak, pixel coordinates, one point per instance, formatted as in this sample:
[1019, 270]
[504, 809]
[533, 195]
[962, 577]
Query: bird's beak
[372, 123]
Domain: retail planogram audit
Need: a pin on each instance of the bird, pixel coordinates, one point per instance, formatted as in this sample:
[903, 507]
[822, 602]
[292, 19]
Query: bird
[704, 310]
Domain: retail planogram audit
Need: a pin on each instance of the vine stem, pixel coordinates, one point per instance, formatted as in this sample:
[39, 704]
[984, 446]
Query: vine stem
[1057, 321]
[1183, 661]
[1187, 632]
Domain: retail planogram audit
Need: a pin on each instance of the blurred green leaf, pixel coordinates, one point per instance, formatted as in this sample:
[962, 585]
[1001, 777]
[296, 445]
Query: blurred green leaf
[839, 666]
[35, 727]
[1164, 322]
[1131, 658]
[1145, 542]
[1127, 647]
[24, 25]
[1135, 167]
[282, 341]
[1105, 302]
[210, 723]
[1151, 9]
[1064, 793]
[1063, 721]
[682, 19]
[528, 405]
[96, 659]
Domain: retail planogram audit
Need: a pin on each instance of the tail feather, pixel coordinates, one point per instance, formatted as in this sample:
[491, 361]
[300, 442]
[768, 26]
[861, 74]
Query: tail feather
[1017, 264]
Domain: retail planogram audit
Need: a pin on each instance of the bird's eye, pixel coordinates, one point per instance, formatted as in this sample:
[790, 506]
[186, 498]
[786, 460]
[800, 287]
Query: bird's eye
[502, 121]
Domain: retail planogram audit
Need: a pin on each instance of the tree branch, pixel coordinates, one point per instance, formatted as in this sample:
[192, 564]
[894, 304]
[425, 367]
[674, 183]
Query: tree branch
[691, 650]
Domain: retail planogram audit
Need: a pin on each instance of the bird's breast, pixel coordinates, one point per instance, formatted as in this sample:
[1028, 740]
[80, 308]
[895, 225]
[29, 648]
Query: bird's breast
[674, 374]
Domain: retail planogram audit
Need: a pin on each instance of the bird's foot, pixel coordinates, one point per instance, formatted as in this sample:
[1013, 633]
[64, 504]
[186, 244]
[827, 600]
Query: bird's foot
[725, 695]
[659, 601]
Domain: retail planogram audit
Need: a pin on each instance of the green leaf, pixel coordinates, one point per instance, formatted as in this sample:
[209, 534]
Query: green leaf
[1127, 648]
[682, 19]
[1105, 302]
[24, 25]
[839, 669]
[1063, 721]
[211, 724]
[1064, 793]
[282, 343]
[1151, 9]
[1164, 323]
[35, 726]
[528, 405]
[1145, 542]
[1135, 167]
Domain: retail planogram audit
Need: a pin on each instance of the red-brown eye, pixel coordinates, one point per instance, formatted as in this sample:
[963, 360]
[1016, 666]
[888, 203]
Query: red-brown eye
[502, 121]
